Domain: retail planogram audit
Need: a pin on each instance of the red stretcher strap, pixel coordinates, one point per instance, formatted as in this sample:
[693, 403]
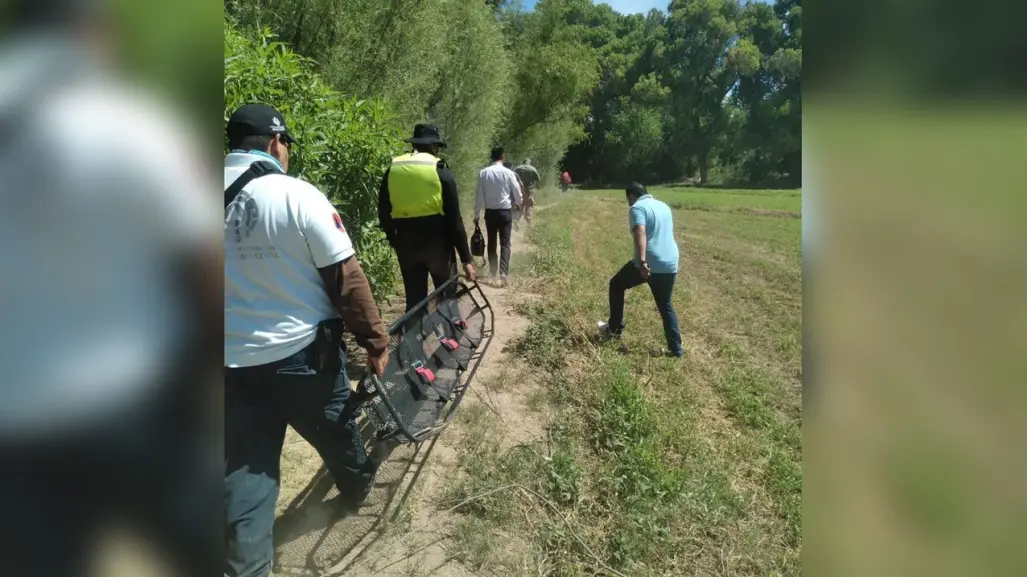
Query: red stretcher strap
[426, 373]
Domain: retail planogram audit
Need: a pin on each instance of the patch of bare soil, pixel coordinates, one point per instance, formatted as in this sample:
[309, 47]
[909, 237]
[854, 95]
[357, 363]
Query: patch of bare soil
[405, 527]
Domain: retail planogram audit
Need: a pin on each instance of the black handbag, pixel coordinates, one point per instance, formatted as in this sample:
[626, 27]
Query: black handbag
[478, 242]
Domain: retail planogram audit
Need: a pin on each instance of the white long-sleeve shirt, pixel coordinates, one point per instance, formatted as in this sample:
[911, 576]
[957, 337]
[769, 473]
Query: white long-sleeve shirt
[498, 188]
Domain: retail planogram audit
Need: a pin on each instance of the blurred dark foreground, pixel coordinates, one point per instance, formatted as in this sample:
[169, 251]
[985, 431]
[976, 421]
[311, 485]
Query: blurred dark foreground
[111, 308]
[915, 249]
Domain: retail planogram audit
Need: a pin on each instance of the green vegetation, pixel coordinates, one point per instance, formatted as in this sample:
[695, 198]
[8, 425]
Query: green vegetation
[345, 144]
[707, 88]
[704, 199]
[660, 466]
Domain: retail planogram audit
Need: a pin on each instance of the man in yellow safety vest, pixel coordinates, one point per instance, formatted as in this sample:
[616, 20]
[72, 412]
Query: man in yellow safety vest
[419, 211]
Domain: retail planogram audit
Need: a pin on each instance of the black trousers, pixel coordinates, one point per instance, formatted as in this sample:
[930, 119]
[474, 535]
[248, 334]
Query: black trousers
[417, 263]
[259, 403]
[662, 287]
[498, 223]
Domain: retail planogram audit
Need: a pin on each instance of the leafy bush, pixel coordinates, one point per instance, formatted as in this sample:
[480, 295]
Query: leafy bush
[345, 144]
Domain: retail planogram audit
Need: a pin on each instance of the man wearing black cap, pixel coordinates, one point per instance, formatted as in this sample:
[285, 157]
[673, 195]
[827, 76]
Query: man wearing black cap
[291, 274]
[419, 211]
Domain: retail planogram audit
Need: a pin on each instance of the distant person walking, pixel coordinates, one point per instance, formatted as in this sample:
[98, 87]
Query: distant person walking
[530, 178]
[419, 211]
[517, 213]
[498, 194]
[655, 263]
[565, 181]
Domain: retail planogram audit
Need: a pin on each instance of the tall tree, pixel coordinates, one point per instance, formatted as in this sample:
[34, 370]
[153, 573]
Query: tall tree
[701, 71]
[556, 71]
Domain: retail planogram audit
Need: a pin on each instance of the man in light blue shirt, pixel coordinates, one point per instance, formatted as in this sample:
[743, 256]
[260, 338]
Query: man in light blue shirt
[655, 263]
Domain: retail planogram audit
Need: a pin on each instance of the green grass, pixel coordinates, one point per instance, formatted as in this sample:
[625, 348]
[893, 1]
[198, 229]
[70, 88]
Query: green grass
[663, 467]
[687, 198]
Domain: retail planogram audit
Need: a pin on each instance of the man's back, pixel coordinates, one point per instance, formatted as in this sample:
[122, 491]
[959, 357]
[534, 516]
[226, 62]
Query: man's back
[498, 188]
[661, 248]
[529, 176]
[274, 295]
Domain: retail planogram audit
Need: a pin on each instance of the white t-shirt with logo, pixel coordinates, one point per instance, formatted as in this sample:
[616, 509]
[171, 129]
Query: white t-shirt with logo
[278, 232]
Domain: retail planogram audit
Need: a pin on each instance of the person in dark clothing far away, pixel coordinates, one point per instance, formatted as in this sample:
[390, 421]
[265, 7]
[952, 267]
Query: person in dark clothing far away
[530, 178]
[517, 214]
[655, 263]
[498, 194]
[419, 211]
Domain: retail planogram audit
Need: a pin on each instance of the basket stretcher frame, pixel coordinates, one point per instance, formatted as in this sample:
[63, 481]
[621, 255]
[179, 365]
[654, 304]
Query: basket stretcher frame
[373, 384]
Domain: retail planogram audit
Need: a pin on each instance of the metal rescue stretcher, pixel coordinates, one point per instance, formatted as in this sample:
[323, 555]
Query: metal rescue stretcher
[434, 352]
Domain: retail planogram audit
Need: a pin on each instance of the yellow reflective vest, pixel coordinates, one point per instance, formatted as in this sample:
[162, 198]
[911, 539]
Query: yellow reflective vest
[414, 186]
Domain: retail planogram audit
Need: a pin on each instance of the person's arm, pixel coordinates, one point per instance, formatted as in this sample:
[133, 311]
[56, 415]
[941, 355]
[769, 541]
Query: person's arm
[344, 280]
[350, 293]
[638, 234]
[454, 220]
[385, 211]
[479, 198]
[637, 219]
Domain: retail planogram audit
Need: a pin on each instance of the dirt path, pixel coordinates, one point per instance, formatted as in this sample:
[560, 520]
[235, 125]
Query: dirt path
[404, 529]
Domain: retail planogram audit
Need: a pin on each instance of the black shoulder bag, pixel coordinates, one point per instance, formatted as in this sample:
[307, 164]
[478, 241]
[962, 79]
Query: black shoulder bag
[256, 170]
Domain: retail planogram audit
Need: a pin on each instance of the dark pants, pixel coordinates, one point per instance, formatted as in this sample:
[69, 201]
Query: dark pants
[149, 465]
[499, 223]
[662, 286]
[259, 403]
[417, 263]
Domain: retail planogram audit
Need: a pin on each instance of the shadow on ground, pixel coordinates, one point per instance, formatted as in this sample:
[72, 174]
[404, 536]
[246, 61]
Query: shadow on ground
[314, 536]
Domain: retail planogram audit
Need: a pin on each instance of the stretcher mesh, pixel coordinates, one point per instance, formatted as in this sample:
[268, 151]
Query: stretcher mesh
[411, 404]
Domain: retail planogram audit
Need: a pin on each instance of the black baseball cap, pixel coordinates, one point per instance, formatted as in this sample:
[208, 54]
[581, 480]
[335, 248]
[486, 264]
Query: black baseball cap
[257, 119]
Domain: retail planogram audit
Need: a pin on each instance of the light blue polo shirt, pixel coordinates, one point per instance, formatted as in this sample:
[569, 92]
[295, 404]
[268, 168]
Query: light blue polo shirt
[661, 250]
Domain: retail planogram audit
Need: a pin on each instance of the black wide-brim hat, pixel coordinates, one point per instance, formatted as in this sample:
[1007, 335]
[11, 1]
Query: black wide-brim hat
[426, 134]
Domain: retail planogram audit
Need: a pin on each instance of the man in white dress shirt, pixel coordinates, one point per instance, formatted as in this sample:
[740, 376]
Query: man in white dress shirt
[498, 194]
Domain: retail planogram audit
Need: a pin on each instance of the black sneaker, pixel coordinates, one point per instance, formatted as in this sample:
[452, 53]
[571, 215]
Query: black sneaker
[353, 502]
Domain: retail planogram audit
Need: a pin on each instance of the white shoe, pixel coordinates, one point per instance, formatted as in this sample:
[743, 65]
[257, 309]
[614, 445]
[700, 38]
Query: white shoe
[605, 332]
[503, 282]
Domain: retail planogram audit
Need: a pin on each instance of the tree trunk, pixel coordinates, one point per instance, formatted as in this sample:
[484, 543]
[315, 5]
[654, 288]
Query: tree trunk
[297, 31]
[704, 167]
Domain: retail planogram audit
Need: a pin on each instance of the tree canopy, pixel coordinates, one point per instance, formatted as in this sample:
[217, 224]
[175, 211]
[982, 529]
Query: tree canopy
[708, 89]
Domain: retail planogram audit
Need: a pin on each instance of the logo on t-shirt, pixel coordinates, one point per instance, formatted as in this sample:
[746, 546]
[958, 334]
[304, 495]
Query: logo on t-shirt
[338, 221]
[243, 219]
